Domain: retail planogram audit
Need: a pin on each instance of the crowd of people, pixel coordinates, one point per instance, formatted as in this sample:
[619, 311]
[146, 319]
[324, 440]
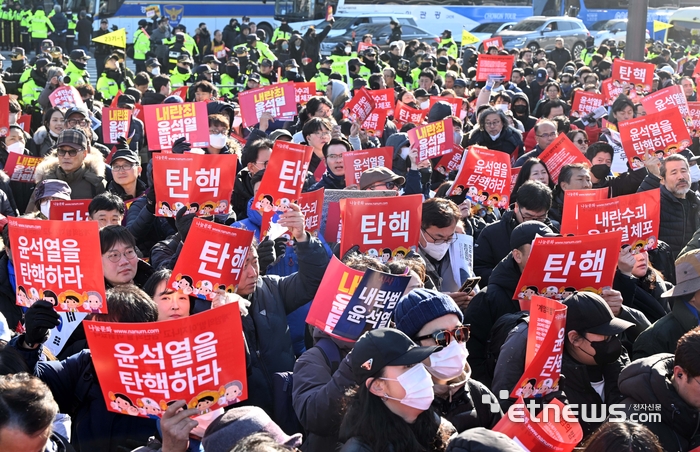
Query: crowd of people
[430, 382]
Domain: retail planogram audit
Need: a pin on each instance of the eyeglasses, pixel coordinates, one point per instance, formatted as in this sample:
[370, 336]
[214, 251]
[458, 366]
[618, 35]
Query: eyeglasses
[492, 123]
[262, 164]
[70, 152]
[334, 156]
[389, 185]
[115, 256]
[444, 337]
[451, 239]
[581, 141]
[530, 217]
[548, 135]
[218, 131]
[77, 122]
[322, 133]
[125, 167]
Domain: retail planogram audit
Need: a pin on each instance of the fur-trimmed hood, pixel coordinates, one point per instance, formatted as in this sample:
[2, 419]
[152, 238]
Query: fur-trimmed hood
[93, 163]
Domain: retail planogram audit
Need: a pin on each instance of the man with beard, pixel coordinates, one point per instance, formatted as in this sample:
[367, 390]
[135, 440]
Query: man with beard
[111, 81]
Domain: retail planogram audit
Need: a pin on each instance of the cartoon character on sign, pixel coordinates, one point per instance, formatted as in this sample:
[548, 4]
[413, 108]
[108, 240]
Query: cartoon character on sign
[204, 289]
[149, 407]
[386, 255]
[400, 253]
[372, 253]
[282, 206]
[184, 284]
[230, 393]
[265, 203]
[493, 200]
[637, 162]
[651, 243]
[192, 208]
[503, 203]
[93, 302]
[204, 401]
[33, 295]
[123, 404]
[528, 292]
[22, 298]
[177, 206]
[207, 209]
[566, 292]
[543, 387]
[222, 207]
[527, 389]
[473, 194]
[70, 300]
[551, 292]
[638, 246]
[50, 296]
[164, 209]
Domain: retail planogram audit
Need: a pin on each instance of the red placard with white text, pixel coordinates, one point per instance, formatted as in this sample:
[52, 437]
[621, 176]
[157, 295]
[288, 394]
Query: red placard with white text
[454, 102]
[388, 227]
[311, 204]
[383, 100]
[404, 114]
[514, 177]
[562, 151]
[494, 65]
[654, 135]
[633, 73]
[636, 215]
[671, 98]
[572, 198]
[21, 167]
[115, 124]
[66, 97]
[450, 162]
[144, 366]
[356, 162]
[283, 180]
[201, 182]
[73, 210]
[24, 122]
[610, 91]
[694, 110]
[484, 178]
[279, 100]
[303, 91]
[359, 107]
[212, 259]
[165, 123]
[559, 264]
[60, 261]
[361, 46]
[432, 140]
[4, 115]
[374, 124]
[496, 41]
[585, 102]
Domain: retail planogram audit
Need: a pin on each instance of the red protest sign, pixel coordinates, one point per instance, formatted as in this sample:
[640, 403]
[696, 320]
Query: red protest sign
[356, 162]
[450, 162]
[493, 42]
[144, 366]
[545, 345]
[4, 115]
[572, 198]
[514, 177]
[540, 432]
[404, 114]
[115, 124]
[284, 178]
[655, 135]
[303, 91]
[562, 151]
[633, 73]
[311, 204]
[432, 140]
[494, 65]
[454, 102]
[138, 113]
[333, 295]
[115, 101]
[359, 107]
[203, 183]
[484, 178]
[671, 98]
[363, 46]
[60, 261]
[585, 102]
[374, 124]
[165, 123]
[24, 122]
[66, 97]
[21, 167]
[73, 210]
[383, 100]
[388, 226]
[610, 91]
[636, 215]
[558, 266]
[278, 100]
[694, 110]
[213, 256]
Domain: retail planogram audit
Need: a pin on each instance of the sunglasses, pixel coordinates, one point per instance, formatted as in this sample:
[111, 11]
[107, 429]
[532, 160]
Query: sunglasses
[389, 185]
[444, 337]
[63, 152]
[582, 141]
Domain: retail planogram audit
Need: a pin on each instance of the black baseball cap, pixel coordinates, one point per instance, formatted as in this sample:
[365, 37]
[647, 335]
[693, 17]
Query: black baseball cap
[525, 233]
[126, 154]
[152, 62]
[79, 110]
[588, 312]
[383, 347]
[210, 59]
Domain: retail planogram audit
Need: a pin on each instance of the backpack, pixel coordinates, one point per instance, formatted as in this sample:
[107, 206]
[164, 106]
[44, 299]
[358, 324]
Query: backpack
[499, 334]
[282, 383]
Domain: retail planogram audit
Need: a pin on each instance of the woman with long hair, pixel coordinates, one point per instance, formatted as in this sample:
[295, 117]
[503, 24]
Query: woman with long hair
[390, 409]
[532, 169]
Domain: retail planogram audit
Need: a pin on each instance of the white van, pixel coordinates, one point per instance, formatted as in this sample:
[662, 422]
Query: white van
[686, 26]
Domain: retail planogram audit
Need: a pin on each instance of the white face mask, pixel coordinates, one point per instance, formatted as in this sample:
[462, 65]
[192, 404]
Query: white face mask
[217, 141]
[449, 362]
[237, 121]
[695, 173]
[405, 152]
[155, 71]
[502, 107]
[435, 251]
[425, 105]
[44, 207]
[17, 148]
[418, 385]
[458, 137]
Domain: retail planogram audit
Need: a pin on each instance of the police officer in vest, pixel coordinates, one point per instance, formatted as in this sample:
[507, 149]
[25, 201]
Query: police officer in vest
[214, 64]
[181, 74]
[267, 74]
[323, 75]
[142, 45]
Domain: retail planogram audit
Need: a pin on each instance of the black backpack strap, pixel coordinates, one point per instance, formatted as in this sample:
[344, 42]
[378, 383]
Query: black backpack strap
[331, 352]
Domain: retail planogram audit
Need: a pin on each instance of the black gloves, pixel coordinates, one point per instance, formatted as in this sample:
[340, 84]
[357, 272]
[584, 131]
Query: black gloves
[266, 254]
[38, 320]
[180, 146]
[280, 247]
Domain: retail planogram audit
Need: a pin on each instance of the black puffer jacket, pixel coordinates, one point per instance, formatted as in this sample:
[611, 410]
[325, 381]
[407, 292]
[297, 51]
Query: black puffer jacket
[242, 192]
[508, 141]
[678, 222]
[146, 228]
[461, 402]
[647, 381]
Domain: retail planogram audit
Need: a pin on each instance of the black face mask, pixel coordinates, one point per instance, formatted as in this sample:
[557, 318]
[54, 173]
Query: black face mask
[520, 109]
[89, 104]
[606, 352]
[232, 71]
[79, 64]
[600, 171]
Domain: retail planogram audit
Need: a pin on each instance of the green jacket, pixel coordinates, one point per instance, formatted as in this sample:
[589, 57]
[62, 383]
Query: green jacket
[321, 80]
[279, 34]
[108, 88]
[191, 45]
[142, 44]
[451, 46]
[226, 89]
[31, 92]
[72, 24]
[264, 51]
[177, 79]
[40, 25]
[77, 76]
[26, 18]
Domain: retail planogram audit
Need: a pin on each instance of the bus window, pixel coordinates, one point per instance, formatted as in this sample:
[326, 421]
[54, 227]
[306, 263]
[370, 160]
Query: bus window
[684, 32]
[109, 7]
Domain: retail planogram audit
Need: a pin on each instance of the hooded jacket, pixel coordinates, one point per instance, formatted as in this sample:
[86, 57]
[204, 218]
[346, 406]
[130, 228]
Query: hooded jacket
[44, 141]
[242, 193]
[439, 111]
[313, 43]
[527, 120]
[509, 140]
[647, 381]
[339, 95]
[397, 141]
